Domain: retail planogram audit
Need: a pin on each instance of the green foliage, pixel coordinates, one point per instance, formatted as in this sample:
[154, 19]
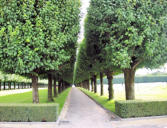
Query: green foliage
[102, 100]
[13, 77]
[139, 108]
[83, 65]
[37, 35]
[126, 33]
[28, 112]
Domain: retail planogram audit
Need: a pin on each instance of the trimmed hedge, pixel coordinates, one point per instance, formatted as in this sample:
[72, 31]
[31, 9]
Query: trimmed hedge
[28, 112]
[138, 108]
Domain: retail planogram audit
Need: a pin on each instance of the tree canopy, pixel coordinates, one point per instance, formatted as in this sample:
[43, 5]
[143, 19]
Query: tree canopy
[38, 36]
[126, 35]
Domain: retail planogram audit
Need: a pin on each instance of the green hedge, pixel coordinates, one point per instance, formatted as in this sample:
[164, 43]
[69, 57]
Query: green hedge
[28, 112]
[137, 108]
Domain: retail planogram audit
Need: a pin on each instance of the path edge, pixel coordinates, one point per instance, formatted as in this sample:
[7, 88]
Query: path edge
[65, 109]
[116, 117]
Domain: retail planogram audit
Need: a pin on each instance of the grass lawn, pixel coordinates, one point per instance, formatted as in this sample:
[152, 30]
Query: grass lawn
[143, 92]
[27, 98]
[103, 100]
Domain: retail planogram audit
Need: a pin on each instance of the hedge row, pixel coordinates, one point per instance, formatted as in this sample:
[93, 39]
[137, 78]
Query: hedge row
[137, 108]
[28, 112]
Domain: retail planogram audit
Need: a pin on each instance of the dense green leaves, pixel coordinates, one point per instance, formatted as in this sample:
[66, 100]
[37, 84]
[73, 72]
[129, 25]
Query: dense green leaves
[37, 35]
[127, 31]
[126, 35]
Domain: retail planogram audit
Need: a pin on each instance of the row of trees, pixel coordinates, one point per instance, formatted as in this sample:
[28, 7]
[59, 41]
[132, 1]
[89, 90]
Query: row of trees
[138, 79]
[122, 36]
[14, 85]
[38, 39]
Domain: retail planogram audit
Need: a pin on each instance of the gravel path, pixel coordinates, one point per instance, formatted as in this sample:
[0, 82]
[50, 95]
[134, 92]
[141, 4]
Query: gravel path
[84, 113]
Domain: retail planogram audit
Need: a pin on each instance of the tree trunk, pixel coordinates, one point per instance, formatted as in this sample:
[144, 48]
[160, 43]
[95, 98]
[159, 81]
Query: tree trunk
[14, 83]
[63, 85]
[35, 94]
[129, 76]
[95, 84]
[22, 85]
[59, 86]
[92, 86]
[0, 85]
[55, 89]
[4, 88]
[88, 84]
[50, 98]
[9, 85]
[110, 85]
[101, 83]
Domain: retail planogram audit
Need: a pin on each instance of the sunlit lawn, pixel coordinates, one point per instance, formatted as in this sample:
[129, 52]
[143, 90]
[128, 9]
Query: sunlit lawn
[110, 105]
[146, 92]
[27, 98]
[142, 92]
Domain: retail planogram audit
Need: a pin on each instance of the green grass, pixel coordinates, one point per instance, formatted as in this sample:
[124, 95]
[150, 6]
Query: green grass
[103, 100]
[27, 98]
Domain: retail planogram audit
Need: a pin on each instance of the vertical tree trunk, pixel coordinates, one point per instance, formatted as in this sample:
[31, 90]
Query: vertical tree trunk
[92, 86]
[95, 84]
[22, 85]
[84, 84]
[110, 85]
[0, 85]
[59, 86]
[88, 84]
[101, 83]
[64, 84]
[55, 89]
[9, 85]
[35, 94]
[14, 83]
[4, 88]
[50, 98]
[129, 76]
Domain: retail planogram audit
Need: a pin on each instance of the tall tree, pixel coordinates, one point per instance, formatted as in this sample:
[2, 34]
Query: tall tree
[35, 36]
[131, 32]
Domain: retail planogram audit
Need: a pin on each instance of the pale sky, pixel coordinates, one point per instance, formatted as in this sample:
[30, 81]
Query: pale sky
[144, 71]
[84, 6]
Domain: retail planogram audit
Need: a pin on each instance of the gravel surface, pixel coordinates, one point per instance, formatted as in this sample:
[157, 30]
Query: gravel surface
[84, 113]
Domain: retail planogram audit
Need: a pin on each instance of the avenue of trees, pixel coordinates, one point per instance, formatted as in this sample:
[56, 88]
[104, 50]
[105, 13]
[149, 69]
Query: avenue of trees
[122, 36]
[38, 39]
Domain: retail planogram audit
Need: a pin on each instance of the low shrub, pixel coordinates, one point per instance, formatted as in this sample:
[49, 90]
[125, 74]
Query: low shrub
[28, 112]
[138, 108]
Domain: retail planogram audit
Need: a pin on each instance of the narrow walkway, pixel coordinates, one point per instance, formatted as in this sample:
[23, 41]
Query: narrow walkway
[84, 113]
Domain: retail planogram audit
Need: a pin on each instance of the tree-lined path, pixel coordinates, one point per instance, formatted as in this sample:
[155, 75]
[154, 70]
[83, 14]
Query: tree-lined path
[84, 113]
